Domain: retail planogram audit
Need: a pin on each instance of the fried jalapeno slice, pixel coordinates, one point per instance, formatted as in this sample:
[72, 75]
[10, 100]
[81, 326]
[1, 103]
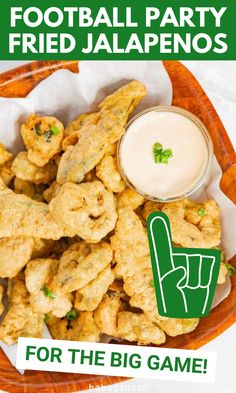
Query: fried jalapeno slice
[24, 169]
[42, 137]
[110, 125]
[45, 293]
[81, 263]
[21, 320]
[87, 210]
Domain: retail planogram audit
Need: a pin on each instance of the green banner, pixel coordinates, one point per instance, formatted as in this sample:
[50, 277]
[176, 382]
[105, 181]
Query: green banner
[118, 30]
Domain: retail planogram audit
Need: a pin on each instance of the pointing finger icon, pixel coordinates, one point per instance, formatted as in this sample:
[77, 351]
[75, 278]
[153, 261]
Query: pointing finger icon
[185, 278]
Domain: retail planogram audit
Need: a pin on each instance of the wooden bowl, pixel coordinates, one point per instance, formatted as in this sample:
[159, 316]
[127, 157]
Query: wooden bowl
[188, 94]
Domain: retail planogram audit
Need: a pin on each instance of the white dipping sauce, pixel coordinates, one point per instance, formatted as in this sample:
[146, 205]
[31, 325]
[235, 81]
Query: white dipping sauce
[174, 131]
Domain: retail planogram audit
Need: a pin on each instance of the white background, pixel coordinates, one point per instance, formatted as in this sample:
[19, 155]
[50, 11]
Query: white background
[219, 81]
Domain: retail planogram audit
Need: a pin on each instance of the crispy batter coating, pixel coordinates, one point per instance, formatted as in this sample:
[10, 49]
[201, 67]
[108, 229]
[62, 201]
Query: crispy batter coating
[73, 129]
[34, 191]
[222, 274]
[82, 157]
[39, 190]
[42, 137]
[24, 187]
[2, 184]
[14, 254]
[22, 216]
[113, 320]
[20, 320]
[92, 144]
[129, 243]
[1, 296]
[176, 327]
[42, 248]
[105, 316]
[51, 191]
[6, 173]
[5, 156]
[78, 123]
[90, 176]
[87, 210]
[89, 297]
[86, 250]
[150, 207]
[108, 173]
[70, 140]
[111, 149]
[129, 199]
[137, 327]
[142, 295]
[81, 263]
[192, 224]
[141, 292]
[41, 277]
[26, 170]
[189, 228]
[83, 328]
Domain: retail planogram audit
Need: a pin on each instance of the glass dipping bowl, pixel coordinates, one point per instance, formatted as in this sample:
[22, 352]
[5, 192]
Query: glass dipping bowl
[202, 180]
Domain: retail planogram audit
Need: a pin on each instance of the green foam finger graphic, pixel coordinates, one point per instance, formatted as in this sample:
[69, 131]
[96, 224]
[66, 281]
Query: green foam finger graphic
[161, 243]
[193, 278]
[184, 278]
[208, 269]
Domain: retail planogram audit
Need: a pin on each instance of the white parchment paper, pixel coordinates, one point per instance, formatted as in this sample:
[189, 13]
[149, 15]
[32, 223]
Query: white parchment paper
[66, 95]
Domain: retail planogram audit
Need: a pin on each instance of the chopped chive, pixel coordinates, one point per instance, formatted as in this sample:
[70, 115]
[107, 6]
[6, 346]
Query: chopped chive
[164, 159]
[201, 212]
[46, 318]
[55, 130]
[161, 156]
[152, 284]
[168, 153]
[48, 293]
[231, 269]
[71, 315]
[157, 146]
[157, 159]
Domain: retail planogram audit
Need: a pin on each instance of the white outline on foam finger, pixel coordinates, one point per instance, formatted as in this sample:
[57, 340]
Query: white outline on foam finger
[172, 254]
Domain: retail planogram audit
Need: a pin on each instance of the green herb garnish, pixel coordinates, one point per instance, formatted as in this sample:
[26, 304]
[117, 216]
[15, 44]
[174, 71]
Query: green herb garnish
[161, 156]
[55, 130]
[231, 269]
[71, 315]
[157, 159]
[164, 159]
[152, 284]
[157, 147]
[47, 134]
[201, 212]
[168, 153]
[48, 293]
[46, 318]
